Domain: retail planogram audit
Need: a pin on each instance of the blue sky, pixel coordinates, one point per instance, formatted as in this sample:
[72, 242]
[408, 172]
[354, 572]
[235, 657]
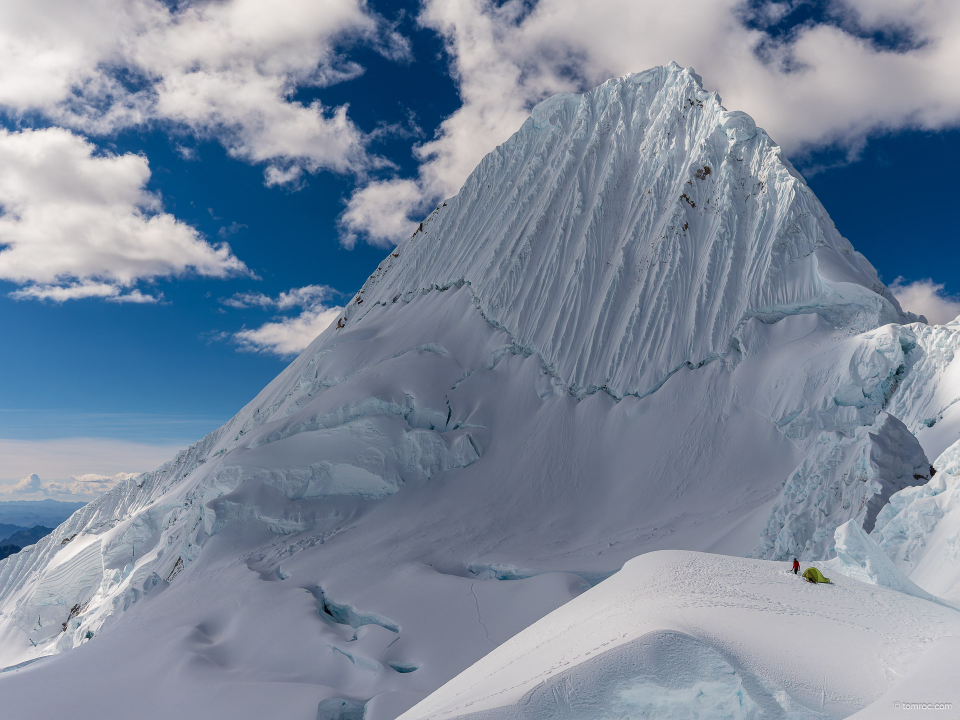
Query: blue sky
[264, 166]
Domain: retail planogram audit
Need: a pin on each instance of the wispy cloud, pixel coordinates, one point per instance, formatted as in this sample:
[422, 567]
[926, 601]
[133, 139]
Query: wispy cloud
[927, 298]
[285, 336]
[231, 229]
[307, 296]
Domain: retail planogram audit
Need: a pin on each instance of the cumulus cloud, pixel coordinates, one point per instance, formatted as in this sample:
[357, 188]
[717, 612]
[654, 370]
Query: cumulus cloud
[927, 298]
[68, 459]
[77, 223]
[285, 336]
[826, 82]
[78, 487]
[381, 212]
[28, 485]
[226, 70]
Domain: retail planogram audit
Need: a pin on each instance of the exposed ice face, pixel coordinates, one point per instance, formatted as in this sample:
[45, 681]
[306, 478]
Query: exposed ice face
[843, 478]
[928, 400]
[664, 675]
[629, 232]
[919, 530]
[860, 558]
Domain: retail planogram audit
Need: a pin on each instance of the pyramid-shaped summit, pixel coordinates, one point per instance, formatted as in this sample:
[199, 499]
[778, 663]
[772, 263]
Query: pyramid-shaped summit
[628, 232]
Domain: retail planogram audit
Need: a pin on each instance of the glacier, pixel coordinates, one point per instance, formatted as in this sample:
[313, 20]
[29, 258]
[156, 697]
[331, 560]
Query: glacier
[635, 329]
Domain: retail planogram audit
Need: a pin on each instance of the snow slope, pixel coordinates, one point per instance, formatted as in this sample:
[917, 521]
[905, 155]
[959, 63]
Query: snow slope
[597, 349]
[694, 635]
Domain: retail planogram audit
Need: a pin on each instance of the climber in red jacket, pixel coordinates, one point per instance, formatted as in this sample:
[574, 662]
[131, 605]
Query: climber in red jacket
[796, 566]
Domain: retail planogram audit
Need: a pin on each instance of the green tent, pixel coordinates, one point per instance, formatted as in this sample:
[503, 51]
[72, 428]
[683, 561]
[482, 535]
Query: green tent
[814, 575]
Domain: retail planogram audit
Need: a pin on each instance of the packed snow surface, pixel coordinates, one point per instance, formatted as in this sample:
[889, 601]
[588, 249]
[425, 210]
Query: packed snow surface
[694, 635]
[634, 329]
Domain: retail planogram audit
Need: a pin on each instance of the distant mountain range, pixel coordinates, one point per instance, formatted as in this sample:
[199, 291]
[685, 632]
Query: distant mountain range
[27, 513]
[6, 530]
[24, 537]
[24, 522]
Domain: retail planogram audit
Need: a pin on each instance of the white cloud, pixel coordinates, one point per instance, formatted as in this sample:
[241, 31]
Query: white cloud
[822, 84]
[66, 460]
[927, 298]
[287, 336]
[81, 290]
[28, 485]
[381, 212]
[284, 336]
[308, 296]
[77, 223]
[226, 70]
[80, 487]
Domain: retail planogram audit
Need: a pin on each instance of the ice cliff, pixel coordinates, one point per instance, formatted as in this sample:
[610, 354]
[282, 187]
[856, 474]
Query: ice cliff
[635, 328]
[630, 231]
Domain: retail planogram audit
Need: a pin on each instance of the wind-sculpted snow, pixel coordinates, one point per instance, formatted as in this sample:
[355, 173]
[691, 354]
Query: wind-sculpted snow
[661, 674]
[460, 494]
[627, 232]
[147, 530]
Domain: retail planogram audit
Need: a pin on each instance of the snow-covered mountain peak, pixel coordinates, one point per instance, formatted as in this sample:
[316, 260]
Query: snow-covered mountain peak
[629, 232]
[435, 472]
